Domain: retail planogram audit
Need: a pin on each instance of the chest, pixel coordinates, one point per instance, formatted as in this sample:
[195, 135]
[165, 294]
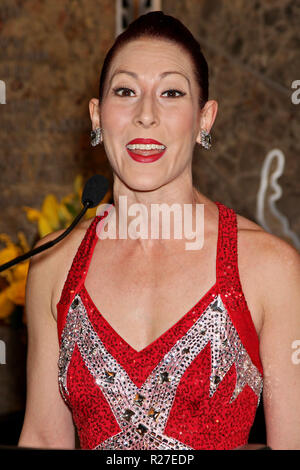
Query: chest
[143, 298]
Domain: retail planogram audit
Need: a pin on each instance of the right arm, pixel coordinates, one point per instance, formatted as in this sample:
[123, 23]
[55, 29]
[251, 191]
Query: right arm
[48, 420]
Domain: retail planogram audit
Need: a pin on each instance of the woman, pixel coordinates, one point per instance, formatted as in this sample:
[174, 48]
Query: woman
[142, 362]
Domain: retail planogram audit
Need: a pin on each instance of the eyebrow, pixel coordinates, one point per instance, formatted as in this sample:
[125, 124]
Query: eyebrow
[162, 75]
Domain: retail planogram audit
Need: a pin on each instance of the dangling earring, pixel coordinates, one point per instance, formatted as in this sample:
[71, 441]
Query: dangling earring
[205, 139]
[96, 136]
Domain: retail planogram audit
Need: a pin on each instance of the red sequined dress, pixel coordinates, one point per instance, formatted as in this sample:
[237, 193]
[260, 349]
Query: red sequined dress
[197, 386]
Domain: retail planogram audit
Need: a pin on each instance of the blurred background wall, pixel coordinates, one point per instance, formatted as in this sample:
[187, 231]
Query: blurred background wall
[51, 56]
[51, 53]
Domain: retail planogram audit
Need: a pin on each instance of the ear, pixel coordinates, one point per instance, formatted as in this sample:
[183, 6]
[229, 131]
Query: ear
[94, 112]
[207, 118]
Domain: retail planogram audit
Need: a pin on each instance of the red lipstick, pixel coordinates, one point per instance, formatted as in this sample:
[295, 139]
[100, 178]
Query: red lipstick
[145, 156]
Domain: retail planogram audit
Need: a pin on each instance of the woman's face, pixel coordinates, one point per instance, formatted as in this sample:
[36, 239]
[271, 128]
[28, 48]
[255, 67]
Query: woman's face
[144, 101]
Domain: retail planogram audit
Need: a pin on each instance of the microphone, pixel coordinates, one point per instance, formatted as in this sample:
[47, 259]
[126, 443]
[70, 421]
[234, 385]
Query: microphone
[93, 192]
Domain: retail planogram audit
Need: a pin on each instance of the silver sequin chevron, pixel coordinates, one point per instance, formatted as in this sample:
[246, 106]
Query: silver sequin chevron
[142, 413]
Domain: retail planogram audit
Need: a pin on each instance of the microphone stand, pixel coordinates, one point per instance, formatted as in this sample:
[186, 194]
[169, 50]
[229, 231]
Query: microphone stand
[33, 252]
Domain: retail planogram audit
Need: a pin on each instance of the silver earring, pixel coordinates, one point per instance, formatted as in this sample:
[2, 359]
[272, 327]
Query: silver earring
[205, 139]
[96, 136]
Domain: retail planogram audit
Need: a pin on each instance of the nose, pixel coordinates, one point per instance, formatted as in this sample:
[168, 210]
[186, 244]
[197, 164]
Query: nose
[146, 113]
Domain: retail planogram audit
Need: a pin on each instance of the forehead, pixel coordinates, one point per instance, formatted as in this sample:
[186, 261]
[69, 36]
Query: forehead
[147, 54]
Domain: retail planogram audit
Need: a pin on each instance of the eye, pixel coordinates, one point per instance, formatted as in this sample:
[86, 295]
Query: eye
[116, 90]
[174, 91]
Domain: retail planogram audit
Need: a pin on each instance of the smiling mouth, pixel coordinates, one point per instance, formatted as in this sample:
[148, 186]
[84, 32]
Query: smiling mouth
[146, 149]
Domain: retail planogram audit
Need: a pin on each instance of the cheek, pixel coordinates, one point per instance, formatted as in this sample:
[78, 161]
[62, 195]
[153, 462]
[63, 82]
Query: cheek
[113, 118]
[181, 120]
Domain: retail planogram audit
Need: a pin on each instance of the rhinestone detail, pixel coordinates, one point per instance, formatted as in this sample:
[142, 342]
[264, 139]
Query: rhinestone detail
[156, 396]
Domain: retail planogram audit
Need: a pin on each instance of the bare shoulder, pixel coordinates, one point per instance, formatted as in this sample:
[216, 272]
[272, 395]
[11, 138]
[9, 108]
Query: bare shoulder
[62, 248]
[54, 263]
[272, 263]
[267, 246]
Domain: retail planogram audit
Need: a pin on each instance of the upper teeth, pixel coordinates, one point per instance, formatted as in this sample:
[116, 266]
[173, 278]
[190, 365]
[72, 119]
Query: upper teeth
[145, 146]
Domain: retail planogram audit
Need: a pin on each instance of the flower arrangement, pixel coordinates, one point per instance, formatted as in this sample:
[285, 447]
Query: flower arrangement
[53, 215]
[13, 280]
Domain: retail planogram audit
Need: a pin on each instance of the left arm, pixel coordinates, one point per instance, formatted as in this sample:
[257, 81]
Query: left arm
[279, 283]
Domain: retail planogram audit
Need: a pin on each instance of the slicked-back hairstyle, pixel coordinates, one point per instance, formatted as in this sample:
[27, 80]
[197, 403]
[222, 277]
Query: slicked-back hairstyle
[157, 25]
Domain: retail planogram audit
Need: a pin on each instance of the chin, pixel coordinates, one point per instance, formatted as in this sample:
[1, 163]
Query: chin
[143, 183]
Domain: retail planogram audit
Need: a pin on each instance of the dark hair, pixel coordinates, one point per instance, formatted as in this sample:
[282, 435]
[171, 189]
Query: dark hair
[160, 26]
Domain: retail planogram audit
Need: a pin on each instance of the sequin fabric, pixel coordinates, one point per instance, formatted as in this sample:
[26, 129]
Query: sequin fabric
[196, 387]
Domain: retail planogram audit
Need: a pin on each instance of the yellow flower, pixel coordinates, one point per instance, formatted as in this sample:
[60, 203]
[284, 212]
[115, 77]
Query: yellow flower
[11, 251]
[6, 305]
[63, 213]
[54, 215]
[44, 226]
[20, 271]
[49, 211]
[14, 293]
[8, 253]
[23, 242]
[32, 214]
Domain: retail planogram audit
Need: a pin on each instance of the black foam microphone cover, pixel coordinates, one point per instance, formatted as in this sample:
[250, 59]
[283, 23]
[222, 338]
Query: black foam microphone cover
[94, 190]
